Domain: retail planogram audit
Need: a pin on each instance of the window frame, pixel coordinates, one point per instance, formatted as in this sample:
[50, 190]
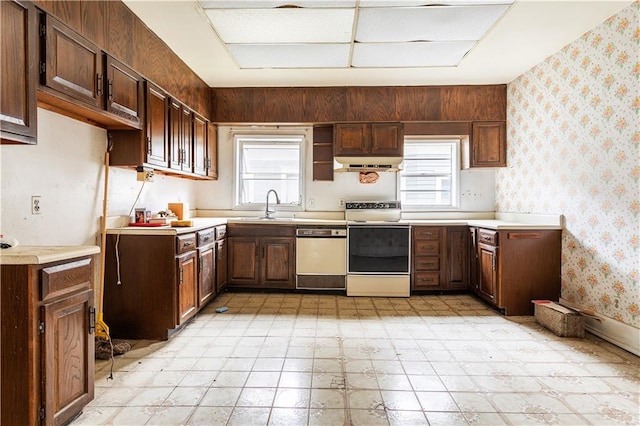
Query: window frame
[456, 142]
[294, 136]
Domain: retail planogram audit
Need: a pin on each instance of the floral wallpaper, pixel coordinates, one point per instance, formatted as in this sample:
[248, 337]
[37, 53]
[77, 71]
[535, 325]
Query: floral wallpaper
[573, 134]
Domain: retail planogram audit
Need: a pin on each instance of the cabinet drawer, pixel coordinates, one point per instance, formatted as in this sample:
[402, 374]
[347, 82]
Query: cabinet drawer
[185, 243]
[221, 232]
[426, 233]
[428, 247]
[427, 263]
[206, 236]
[426, 279]
[488, 236]
[66, 278]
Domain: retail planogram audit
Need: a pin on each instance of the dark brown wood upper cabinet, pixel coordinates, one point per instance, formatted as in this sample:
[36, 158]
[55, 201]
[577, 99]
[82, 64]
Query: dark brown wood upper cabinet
[125, 91]
[212, 150]
[199, 145]
[157, 120]
[72, 65]
[180, 137]
[19, 75]
[368, 139]
[80, 80]
[488, 144]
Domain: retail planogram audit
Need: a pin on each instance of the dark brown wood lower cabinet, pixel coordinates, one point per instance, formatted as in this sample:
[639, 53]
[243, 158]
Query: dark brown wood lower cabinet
[513, 267]
[207, 257]
[47, 353]
[440, 258]
[262, 256]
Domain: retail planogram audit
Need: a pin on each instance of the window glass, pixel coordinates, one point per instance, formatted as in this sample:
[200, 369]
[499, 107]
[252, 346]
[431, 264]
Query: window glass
[268, 162]
[429, 176]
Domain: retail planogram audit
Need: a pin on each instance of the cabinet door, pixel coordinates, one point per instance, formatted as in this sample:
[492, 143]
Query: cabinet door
[19, 76]
[157, 119]
[278, 263]
[73, 65]
[124, 92]
[212, 150]
[457, 257]
[199, 145]
[206, 274]
[387, 139]
[473, 260]
[351, 139]
[488, 272]
[187, 287]
[243, 261]
[186, 140]
[67, 357]
[489, 144]
[221, 266]
[175, 134]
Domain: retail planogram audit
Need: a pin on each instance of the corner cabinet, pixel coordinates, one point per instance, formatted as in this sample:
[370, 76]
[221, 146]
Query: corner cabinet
[158, 282]
[261, 256]
[368, 139]
[488, 144]
[503, 280]
[48, 320]
[19, 76]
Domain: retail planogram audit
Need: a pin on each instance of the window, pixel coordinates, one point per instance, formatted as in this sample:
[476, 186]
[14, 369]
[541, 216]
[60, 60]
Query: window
[267, 162]
[429, 176]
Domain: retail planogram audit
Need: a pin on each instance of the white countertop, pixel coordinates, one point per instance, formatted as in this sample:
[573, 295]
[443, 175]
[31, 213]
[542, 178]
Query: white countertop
[207, 222]
[37, 255]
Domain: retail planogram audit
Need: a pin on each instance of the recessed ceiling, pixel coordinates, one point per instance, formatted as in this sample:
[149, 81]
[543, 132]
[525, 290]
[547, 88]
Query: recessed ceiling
[367, 42]
[333, 34]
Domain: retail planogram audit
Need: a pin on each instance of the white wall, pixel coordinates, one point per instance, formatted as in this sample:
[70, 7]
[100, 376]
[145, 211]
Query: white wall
[477, 186]
[66, 168]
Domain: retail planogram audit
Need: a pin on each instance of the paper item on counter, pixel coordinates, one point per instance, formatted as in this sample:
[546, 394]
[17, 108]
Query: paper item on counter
[180, 209]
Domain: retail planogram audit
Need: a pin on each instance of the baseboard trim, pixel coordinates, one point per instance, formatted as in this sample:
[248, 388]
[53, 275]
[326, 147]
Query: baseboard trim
[623, 335]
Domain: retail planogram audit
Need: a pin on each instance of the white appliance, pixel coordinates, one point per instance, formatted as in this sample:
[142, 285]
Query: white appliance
[321, 257]
[378, 250]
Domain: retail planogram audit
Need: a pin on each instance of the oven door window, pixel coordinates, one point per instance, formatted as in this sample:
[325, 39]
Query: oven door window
[378, 250]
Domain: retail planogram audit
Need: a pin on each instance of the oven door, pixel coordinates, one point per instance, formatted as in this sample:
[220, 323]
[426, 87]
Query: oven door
[378, 249]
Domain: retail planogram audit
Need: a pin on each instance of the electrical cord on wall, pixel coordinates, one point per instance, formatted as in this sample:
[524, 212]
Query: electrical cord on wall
[119, 282]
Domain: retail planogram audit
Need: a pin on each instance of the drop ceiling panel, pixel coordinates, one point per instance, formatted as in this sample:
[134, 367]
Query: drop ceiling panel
[291, 55]
[282, 25]
[400, 55]
[446, 23]
[269, 4]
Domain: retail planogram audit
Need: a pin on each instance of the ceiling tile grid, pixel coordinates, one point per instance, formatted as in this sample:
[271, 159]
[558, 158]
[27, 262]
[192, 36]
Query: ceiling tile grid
[351, 34]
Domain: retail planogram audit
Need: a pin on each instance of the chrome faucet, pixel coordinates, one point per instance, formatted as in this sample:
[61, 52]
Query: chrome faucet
[267, 212]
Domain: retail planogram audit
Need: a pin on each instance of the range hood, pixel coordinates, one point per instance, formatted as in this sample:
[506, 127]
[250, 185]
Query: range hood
[359, 164]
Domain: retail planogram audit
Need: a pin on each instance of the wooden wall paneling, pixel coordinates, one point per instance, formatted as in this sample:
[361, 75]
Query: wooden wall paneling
[438, 128]
[418, 103]
[232, 105]
[462, 103]
[69, 12]
[282, 105]
[121, 24]
[371, 104]
[324, 104]
[93, 15]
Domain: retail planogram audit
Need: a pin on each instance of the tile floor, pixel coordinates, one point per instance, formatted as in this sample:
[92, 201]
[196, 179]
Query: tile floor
[290, 359]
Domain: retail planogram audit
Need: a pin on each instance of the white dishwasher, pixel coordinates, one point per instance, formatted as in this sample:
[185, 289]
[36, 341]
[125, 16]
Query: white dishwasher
[321, 257]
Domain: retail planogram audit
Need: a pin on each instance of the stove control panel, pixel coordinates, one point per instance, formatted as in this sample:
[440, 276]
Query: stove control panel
[372, 205]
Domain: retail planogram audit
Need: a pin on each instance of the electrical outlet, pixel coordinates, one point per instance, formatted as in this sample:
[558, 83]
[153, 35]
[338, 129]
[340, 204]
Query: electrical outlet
[311, 203]
[36, 205]
[145, 175]
[341, 202]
